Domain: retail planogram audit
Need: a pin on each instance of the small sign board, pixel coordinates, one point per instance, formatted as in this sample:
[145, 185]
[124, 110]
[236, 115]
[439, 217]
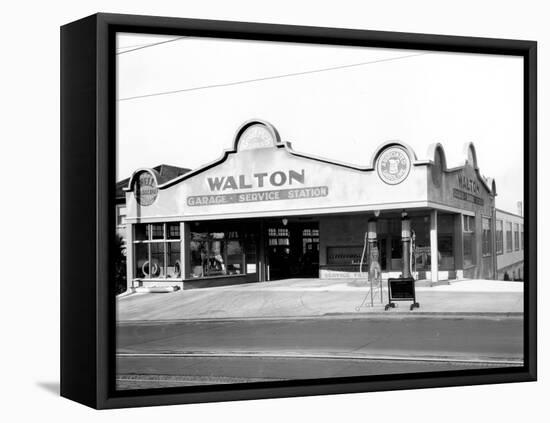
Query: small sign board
[401, 289]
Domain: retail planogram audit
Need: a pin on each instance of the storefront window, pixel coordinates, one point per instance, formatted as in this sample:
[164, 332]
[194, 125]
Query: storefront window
[499, 237]
[396, 248]
[157, 253]
[157, 231]
[446, 253]
[217, 253]
[468, 236]
[422, 251]
[509, 246]
[310, 241]
[141, 232]
[486, 237]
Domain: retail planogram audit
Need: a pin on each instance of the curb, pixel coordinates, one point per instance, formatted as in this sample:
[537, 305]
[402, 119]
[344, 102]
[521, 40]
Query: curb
[325, 355]
[329, 316]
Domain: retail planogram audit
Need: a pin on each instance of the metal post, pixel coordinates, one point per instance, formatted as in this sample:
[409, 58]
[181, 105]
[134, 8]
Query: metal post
[129, 256]
[185, 253]
[434, 250]
[406, 241]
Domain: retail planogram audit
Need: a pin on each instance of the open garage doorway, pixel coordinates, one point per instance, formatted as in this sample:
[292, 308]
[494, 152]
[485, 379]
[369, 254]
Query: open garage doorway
[292, 249]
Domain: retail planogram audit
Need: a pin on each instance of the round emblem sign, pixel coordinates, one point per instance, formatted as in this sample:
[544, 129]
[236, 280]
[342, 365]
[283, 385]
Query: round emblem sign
[145, 189]
[256, 136]
[393, 165]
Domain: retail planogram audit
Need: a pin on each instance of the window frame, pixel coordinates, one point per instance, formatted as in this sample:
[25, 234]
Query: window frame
[468, 232]
[486, 237]
[499, 237]
[148, 241]
[509, 237]
[517, 241]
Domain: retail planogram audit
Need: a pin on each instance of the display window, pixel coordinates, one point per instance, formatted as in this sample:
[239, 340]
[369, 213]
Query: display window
[221, 252]
[468, 238]
[157, 251]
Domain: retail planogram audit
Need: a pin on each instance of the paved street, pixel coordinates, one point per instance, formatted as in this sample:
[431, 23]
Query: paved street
[152, 354]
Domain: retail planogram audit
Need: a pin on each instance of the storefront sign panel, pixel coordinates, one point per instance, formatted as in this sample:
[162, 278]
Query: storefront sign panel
[248, 197]
[272, 180]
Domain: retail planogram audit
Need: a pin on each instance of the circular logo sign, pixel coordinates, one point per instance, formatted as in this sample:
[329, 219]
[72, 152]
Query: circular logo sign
[256, 136]
[145, 189]
[393, 165]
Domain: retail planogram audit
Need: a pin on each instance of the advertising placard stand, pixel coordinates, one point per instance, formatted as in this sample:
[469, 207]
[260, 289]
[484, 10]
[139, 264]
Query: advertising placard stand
[401, 289]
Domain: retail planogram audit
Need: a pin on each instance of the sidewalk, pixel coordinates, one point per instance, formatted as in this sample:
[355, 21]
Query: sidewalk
[303, 298]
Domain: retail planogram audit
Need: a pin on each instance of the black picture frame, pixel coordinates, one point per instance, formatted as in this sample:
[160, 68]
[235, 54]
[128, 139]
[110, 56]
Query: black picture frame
[87, 215]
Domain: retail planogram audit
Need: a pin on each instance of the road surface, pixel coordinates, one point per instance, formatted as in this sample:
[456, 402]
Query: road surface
[153, 354]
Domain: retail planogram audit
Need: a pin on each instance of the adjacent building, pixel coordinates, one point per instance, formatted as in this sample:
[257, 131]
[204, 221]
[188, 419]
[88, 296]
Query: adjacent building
[509, 245]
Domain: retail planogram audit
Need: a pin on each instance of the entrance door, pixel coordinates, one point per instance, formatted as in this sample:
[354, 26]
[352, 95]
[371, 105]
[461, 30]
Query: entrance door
[293, 250]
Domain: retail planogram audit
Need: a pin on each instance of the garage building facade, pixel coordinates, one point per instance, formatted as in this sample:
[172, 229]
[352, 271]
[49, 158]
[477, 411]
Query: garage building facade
[263, 212]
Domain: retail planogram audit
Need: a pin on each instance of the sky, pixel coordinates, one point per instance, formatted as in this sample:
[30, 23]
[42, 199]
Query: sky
[180, 101]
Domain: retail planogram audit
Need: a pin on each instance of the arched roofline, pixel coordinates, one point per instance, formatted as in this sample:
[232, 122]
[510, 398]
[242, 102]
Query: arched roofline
[433, 150]
[272, 130]
[469, 146]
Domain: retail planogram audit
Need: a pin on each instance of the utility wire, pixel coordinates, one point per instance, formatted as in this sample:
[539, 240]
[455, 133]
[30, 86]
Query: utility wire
[267, 78]
[150, 45]
[132, 46]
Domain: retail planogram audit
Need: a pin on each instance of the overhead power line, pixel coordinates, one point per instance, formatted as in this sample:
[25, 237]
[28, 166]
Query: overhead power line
[267, 78]
[150, 45]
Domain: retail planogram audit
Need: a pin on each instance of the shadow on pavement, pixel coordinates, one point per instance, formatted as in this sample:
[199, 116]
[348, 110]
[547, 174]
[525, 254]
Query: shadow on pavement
[51, 387]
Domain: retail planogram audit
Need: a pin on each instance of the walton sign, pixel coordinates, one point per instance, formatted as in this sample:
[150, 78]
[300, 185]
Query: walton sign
[218, 184]
[257, 180]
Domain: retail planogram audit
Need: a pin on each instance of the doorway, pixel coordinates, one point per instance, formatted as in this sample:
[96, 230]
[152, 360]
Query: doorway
[292, 250]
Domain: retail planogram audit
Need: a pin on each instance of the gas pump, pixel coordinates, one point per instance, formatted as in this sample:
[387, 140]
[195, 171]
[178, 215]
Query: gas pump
[403, 288]
[374, 271]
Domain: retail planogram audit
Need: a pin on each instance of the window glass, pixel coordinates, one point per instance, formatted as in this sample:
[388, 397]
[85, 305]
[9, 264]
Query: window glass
[173, 230]
[499, 237]
[198, 250]
[220, 253]
[468, 248]
[486, 237]
[140, 232]
[396, 248]
[157, 231]
[157, 257]
[509, 242]
[235, 262]
[446, 254]
[141, 260]
[516, 236]
[468, 237]
[173, 264]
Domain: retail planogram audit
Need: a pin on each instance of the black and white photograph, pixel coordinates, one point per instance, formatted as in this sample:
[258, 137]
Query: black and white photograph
[299, 211]
[277, 211]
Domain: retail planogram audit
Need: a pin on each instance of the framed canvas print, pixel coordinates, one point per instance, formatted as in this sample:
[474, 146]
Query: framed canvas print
[256, 210]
